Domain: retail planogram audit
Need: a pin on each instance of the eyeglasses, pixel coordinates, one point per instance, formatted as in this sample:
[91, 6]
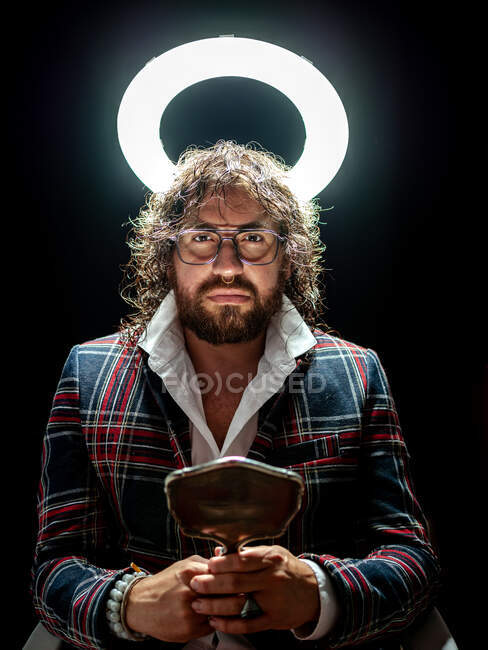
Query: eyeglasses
[252, 246]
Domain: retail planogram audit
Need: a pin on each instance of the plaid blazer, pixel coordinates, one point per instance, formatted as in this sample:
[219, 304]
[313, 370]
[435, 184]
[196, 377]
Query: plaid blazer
[115, 433]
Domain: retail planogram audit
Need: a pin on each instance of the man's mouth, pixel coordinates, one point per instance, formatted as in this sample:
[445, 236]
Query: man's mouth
[229, 296]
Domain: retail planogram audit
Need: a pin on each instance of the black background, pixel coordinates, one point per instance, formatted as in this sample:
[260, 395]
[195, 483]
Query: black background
[404, 239]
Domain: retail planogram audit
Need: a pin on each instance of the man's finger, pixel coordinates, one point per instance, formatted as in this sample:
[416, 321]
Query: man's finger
[255, 560]
[227, 606]
[228, 583]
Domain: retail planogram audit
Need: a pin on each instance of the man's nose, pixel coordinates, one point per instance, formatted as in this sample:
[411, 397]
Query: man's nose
[227, 261]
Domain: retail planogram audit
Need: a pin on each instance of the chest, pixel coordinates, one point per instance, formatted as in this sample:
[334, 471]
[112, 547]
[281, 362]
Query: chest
[219, 411]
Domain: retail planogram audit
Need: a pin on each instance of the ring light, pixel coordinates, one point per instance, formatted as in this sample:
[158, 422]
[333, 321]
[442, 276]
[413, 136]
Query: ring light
[164, 77]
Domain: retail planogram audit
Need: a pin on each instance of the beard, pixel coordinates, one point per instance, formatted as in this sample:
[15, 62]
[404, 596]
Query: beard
[228, 324]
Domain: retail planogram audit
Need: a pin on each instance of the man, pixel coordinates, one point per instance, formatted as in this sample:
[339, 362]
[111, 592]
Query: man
[221, 358]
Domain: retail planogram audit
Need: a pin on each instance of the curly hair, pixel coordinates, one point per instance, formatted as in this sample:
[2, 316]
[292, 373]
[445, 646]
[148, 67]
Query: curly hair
[262, 175]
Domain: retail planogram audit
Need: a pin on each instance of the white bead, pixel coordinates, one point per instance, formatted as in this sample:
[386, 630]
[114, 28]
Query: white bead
[114, 605]
[116, 594]
[118, 628]
[128, 578]
[121, 585]
[113, 616]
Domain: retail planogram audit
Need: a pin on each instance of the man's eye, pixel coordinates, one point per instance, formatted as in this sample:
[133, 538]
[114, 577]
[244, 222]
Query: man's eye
[254, 237]
[201, 238]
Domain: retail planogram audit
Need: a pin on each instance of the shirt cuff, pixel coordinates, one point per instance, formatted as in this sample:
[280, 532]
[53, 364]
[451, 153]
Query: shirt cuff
[329, 607]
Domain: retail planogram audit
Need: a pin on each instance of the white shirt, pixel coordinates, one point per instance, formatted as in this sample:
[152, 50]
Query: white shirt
[287, 337]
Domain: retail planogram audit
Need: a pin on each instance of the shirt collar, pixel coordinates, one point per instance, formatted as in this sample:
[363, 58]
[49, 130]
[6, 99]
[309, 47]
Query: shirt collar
[288, 335]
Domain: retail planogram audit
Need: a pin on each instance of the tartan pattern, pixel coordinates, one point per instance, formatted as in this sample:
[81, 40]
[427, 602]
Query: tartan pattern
[114, 434]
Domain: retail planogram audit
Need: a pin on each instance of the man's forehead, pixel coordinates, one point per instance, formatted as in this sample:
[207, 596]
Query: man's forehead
[234, 209]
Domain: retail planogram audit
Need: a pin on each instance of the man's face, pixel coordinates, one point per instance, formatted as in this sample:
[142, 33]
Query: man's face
[229, 313]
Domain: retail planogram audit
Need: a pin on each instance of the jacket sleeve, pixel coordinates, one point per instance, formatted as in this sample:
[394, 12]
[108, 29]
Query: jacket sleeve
[394, 580]
[69, 589]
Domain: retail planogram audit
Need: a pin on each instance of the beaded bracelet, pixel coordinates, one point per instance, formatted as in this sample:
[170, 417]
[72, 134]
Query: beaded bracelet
[116, 604]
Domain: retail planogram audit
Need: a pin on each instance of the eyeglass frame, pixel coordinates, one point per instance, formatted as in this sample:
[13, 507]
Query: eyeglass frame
[279, 237]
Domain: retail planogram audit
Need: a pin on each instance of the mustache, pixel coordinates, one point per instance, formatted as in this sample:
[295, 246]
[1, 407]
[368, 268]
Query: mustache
[217, 283]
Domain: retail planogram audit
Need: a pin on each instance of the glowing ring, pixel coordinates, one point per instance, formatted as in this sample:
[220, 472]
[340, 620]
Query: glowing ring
[164, 77]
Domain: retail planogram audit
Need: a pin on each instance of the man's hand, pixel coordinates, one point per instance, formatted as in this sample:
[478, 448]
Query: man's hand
[160, 605]
[283, 586]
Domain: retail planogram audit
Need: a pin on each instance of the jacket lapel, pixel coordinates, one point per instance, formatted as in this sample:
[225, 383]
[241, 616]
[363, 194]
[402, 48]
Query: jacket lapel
[272, 417]
[269, 422]
[176, 420]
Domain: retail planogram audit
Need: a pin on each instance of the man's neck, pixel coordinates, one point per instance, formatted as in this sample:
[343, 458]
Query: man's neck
[225, 358]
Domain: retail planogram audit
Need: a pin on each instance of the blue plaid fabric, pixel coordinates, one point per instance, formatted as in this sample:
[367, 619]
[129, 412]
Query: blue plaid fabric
[114, 435]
